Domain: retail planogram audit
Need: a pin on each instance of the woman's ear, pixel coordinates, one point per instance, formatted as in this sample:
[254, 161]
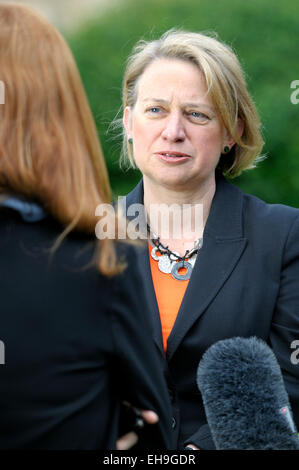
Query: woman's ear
[228, 140]
[127, 121]
[240, 126]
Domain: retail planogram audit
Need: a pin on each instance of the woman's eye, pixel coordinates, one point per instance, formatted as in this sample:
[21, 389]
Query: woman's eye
[154, 110]
[198, 115]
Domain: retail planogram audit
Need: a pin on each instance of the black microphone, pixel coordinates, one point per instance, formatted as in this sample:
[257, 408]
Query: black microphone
[246, 403]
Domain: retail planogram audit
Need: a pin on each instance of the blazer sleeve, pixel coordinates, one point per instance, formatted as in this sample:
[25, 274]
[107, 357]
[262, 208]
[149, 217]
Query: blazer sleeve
[284, 331]
[138, 365]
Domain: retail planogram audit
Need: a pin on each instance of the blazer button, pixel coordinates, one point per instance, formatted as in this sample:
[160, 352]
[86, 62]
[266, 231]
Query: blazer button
[173, 423]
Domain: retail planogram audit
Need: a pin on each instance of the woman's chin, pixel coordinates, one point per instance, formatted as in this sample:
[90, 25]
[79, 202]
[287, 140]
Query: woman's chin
[175, 182]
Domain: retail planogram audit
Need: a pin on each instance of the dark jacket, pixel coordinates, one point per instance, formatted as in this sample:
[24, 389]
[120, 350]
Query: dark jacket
[76, 343]
[245, 283]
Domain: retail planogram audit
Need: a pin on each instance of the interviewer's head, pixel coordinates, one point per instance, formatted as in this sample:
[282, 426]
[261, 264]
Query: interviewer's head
[218, 83]
[49, 148]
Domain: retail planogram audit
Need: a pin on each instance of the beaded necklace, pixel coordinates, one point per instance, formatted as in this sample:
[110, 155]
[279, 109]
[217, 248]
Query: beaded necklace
[170, 262]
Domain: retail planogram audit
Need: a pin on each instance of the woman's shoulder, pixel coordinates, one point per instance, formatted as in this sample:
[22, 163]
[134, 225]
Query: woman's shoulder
[39, 248]
[270, 210]
[258, 216]
[271, 218]
[38, 235]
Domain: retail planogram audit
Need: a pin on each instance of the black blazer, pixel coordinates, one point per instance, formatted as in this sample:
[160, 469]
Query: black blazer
[76, 343]
[245, 282]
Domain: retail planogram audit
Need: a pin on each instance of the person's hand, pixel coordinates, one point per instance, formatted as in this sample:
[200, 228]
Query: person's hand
[127, 441]
[191, 446]
[130, 439]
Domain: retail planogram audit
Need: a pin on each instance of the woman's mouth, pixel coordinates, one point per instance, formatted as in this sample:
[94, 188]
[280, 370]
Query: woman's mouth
[173, 157]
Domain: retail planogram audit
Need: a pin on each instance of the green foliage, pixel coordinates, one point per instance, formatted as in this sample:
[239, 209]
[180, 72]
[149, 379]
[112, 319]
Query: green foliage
[264, 35]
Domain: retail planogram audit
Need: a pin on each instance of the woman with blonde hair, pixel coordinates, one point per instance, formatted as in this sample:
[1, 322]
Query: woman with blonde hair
[72, 330]
[189, 122]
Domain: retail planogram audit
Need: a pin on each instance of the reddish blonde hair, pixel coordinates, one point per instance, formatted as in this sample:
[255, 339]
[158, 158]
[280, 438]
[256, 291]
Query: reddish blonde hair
[49, 147]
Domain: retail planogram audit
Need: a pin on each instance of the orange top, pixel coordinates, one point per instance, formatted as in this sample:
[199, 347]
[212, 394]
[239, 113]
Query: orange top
[169, 294]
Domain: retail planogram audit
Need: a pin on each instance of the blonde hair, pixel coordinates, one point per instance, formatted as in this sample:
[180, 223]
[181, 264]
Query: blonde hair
[225, 82]
[49, 147]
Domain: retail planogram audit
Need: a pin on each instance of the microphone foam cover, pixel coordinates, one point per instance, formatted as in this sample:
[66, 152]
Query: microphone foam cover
[246, 404]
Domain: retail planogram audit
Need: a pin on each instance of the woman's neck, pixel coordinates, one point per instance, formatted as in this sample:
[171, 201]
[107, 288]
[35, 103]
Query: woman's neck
[178, 217]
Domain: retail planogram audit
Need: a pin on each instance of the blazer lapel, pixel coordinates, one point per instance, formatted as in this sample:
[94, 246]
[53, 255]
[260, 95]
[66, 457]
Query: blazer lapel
[136, 197]
[213, 266]
[152, 300]
[223, 245]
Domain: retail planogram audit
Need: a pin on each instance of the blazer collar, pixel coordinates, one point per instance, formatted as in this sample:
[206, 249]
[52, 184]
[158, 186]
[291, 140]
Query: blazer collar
[222, 248]
[29, 211]
[135, 196]
[225, 218]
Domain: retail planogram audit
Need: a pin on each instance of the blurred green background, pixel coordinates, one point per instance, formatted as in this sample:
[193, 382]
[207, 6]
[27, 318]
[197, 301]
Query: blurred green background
[262, 32]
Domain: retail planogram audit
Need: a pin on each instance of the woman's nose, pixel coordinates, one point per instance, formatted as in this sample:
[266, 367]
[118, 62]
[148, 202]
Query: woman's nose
[174, 129]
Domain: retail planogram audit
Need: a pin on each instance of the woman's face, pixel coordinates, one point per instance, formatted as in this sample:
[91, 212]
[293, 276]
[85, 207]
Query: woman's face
[177, 135]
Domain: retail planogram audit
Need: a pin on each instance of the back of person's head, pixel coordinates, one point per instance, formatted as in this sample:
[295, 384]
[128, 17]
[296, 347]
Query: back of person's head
[49, 148]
